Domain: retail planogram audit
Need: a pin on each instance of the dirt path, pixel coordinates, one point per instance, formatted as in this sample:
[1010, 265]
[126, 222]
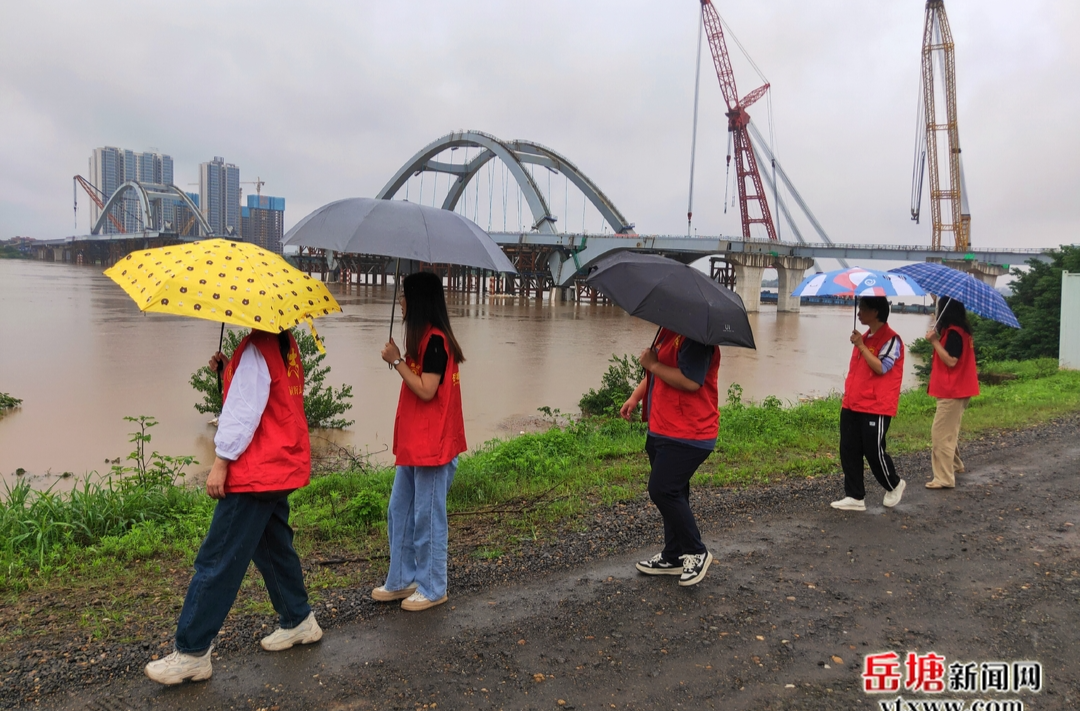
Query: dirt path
[798, 595]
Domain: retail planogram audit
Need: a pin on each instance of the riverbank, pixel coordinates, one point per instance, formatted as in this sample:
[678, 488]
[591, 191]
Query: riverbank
[550, 499]
[798, 594]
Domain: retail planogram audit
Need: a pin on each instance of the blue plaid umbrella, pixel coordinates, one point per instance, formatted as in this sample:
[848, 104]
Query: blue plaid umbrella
[977, 297]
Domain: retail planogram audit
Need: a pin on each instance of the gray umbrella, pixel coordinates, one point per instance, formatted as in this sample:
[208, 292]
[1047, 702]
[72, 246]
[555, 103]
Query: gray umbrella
[675, 296]
[396, 228]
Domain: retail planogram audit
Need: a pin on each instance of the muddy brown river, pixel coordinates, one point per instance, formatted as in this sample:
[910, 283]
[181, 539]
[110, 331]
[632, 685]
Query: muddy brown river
[81, 356]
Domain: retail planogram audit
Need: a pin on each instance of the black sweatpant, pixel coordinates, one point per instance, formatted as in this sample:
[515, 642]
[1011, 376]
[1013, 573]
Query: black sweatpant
[673, 464]
[863, 435]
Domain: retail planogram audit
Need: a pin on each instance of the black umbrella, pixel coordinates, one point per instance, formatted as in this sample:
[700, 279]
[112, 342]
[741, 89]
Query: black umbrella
[675, 296]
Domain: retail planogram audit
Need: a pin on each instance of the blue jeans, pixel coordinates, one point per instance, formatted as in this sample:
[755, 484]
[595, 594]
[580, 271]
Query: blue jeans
[244, 529]
[417, 528]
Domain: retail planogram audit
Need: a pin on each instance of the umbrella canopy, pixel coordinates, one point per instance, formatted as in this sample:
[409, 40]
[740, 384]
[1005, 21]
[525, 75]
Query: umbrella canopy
[857, 281]
[976, 296]
[396, 228]
[675, 296]
[221, 280]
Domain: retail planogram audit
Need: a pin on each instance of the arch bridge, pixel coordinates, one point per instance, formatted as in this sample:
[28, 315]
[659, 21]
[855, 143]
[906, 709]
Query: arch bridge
[150, 196]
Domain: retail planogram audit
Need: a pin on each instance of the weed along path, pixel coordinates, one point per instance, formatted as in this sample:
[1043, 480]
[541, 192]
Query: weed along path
[980, 585]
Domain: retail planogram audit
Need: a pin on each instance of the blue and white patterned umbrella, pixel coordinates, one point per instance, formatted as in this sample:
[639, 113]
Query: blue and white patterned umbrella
[857, 281]
[977, 297]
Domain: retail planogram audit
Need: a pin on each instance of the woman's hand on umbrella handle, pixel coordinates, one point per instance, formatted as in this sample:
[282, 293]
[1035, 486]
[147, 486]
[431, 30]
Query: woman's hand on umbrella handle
[648, 359]
[217, 362]
[390, 351]
[215, 480]
[856, 339]
[932, 335]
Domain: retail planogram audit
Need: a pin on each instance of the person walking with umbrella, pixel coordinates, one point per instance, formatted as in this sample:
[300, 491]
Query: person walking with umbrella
[954, 380]
[679, 394]
[429, 434]
[263, 453]
[871, 398]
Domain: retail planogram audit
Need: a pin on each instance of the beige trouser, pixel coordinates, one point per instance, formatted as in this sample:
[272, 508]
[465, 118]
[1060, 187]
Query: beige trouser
[943, 435]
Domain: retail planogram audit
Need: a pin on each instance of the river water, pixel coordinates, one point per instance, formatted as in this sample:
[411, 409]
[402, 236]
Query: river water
[81, 356]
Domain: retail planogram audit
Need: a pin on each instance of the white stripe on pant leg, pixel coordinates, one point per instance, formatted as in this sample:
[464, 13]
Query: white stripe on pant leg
[881, 451]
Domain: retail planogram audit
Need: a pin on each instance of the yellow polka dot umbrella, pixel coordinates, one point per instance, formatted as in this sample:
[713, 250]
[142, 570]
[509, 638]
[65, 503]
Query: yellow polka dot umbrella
[221, 280]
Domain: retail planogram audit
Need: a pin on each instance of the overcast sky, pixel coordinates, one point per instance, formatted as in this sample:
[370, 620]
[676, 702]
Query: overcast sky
[325, 100]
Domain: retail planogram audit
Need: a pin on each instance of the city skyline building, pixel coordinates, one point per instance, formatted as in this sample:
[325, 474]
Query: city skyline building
[110, 167]
[219, 195]
[263, 221]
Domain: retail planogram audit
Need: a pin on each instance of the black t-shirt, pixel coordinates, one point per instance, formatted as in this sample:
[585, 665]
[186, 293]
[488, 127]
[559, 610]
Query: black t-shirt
[694, 360]
[954, 344]
[435, 356]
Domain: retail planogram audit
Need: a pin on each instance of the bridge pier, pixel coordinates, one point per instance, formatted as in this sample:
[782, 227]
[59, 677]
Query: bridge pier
[748, 268]
[789, 272]
[986, 273]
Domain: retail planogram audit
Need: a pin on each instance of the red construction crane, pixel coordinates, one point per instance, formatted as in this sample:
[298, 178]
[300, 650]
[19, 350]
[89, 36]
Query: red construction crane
[93, 193]
[746, 167]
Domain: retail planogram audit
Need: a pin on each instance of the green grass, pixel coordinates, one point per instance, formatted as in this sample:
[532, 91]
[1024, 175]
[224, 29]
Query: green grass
[124, 532]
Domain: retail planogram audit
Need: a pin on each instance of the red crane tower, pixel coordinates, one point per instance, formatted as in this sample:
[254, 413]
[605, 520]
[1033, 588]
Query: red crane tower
[92, 191]
[746, 167]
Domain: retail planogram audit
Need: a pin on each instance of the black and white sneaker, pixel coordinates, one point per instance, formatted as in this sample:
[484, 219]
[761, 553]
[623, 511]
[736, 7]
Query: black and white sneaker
[658, 566]
[694, 568]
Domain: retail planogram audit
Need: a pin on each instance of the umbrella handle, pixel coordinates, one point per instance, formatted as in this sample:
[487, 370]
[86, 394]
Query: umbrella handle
[393, 304]
[220, 365]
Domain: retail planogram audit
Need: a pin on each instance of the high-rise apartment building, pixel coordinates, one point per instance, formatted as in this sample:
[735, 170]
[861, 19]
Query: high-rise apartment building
[263, 221]
[111, 167]
[219, 195]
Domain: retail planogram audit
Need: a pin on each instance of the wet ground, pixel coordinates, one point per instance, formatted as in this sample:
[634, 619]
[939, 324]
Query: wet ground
[798, 595]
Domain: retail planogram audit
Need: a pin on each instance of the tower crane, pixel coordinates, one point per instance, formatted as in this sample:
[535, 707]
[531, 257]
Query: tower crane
[93, 192]
[948, 205]
[747, 174]
[258, 183]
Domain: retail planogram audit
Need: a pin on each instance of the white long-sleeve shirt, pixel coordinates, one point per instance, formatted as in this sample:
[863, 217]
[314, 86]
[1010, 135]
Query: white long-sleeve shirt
[243, 409]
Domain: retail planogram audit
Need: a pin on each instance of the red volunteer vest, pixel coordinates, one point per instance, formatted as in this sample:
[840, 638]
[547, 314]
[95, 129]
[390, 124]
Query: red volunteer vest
[279, 456]
[959, 381]
[432, 433]
[677, 414]
[866, 391]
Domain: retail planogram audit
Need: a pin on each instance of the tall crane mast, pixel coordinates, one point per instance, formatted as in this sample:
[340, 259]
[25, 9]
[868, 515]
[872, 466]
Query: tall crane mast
[948, 205]
[747, 174]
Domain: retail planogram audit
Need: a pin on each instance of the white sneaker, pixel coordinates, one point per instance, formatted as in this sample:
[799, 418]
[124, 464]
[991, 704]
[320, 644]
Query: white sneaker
[849, 504]
[306, 632]
[892, 498]
[418, 601]
[179, 666]
[381, 594]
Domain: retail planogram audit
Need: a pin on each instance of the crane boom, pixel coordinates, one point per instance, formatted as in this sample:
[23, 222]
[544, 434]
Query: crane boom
[93, 193]
[747, 174]
[948, 203]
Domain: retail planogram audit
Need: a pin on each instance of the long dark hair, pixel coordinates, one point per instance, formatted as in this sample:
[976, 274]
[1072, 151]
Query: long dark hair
[425, 305]
[952, 313]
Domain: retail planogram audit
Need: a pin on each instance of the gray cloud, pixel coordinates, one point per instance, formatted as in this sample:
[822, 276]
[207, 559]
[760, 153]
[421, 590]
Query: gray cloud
[324, 100]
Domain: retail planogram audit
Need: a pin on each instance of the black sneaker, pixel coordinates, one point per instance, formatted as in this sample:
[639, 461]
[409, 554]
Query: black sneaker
[658, 566]
[694, 567]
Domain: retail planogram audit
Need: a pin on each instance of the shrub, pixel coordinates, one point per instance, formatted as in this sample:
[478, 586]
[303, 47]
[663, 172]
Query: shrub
[622, 376]
[7, 401]
[322, 405]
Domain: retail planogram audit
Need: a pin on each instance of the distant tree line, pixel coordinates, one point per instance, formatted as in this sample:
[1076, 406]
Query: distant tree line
[1036, 301]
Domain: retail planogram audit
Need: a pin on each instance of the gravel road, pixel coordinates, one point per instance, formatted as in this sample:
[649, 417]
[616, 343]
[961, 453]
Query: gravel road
[797, 597]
